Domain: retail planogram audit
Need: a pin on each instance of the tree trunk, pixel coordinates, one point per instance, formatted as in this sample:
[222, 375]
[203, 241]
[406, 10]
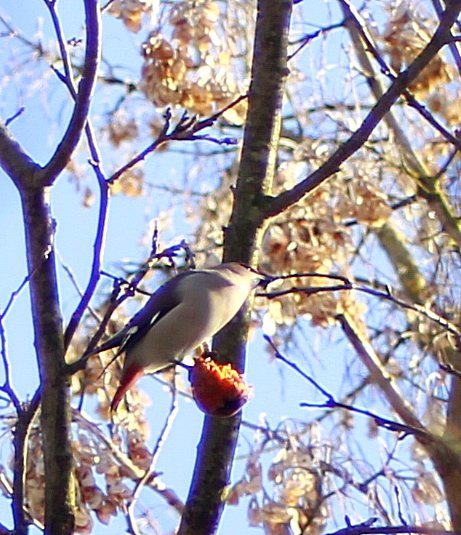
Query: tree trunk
[49, 345]
[217, 445]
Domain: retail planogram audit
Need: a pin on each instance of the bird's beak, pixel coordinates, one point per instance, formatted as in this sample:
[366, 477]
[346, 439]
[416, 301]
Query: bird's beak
[265, 280]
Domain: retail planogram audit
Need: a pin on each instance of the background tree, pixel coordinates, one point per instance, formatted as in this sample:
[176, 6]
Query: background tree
[344, 191]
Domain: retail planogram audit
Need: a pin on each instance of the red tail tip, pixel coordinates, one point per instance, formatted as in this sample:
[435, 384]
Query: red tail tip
[129, 376]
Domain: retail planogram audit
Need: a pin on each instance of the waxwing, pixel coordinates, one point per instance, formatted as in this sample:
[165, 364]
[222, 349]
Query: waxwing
[178, 317]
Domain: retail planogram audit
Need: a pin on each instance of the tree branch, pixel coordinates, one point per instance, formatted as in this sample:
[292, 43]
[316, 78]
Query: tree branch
[55, 395]
[385, 381]
[95, 162]
[331, 402]
[217, 445]
[16, 163]
[427, 184]
[276, 205]
[365, 529]
[77, 122]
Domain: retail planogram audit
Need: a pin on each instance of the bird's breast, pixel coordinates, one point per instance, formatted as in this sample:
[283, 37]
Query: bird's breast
[203, 311]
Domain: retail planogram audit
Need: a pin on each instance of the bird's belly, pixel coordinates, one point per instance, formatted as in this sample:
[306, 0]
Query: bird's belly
[181, 331]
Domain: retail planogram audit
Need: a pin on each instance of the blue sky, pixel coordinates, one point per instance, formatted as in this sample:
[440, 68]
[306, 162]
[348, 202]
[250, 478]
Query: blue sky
[278, 390]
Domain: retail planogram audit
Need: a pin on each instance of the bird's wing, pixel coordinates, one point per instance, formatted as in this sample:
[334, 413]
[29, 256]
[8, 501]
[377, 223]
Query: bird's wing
[160, 303]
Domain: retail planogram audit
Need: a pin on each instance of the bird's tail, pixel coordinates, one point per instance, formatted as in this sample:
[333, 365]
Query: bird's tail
[129, 376]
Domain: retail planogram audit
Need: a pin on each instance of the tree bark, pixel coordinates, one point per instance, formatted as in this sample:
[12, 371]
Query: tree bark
[217, 445]
[49, 345]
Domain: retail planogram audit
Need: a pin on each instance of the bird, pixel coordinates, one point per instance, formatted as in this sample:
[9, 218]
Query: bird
[183, 313]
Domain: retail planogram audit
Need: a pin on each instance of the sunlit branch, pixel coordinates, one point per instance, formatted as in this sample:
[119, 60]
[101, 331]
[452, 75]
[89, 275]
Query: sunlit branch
[353, 15]
[276, 205]
[79, 117]
[331, 403]
[351, 286]
[132, 471]
[363, 486]
[150, 472]
[185, 130]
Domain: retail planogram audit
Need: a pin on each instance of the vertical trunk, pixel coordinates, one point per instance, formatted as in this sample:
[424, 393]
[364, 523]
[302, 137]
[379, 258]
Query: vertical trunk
[48, 334]
[205, 502]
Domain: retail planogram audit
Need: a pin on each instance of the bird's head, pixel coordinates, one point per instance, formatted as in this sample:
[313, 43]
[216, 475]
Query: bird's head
[247, 273]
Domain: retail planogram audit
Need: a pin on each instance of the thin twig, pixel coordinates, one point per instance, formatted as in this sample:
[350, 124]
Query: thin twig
[306, 39]
[132, 471]
[14, 294]
[185, 130]
[74, 282]
[276, 205]
[331, 403]
[83, 96]
[150, 472]
[388, 71]
[348, 285]
[68, 80]
[97, 246]
[20, 111]
[365, 529]
[7, 386]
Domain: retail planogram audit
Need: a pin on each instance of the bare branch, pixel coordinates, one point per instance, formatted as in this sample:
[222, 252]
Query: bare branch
[67, 79]
[16, 163]
[276, 205]
[241, 242]
[97, 248]
[383, 379]
[452, 44]
[365, 529]
[7, 386]
[348, 285]
[331, 403]
[79, 117]
[15, 116]
[352, 14]
[150, 472]
[185, 130]
[428, 182]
